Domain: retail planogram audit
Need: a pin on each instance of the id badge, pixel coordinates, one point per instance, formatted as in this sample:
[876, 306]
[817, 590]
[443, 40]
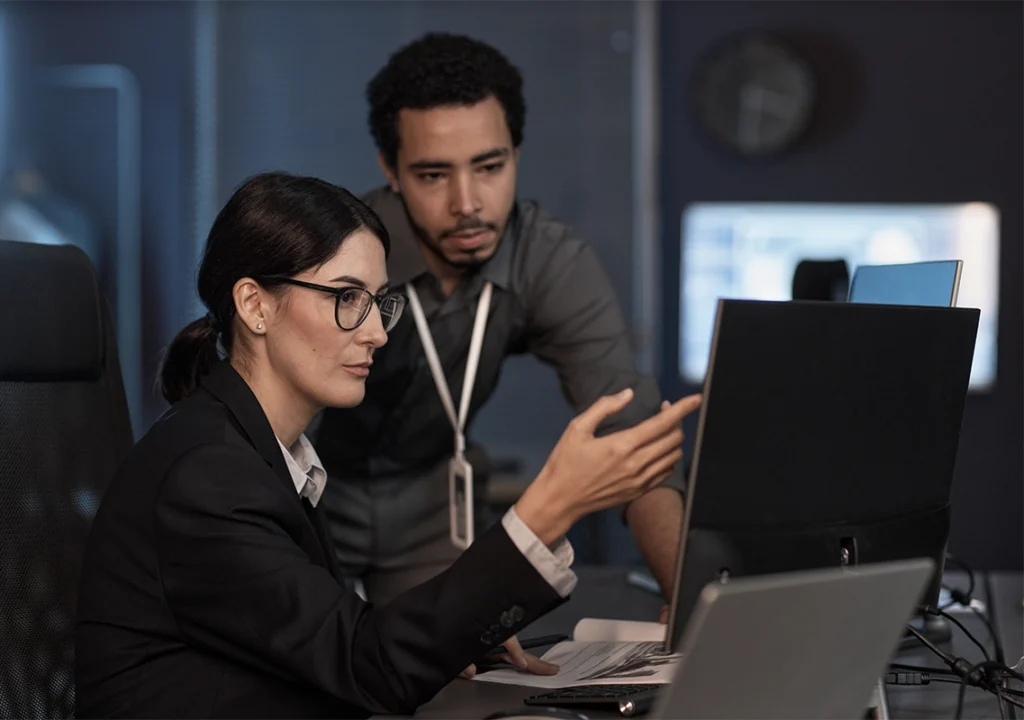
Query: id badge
[460, 502]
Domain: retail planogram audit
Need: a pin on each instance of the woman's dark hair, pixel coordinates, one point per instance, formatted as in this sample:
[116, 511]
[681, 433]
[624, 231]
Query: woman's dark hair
[274, 224]
[437, 70]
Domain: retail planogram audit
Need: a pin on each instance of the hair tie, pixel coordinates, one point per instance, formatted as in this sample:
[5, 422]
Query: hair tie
[214, 322]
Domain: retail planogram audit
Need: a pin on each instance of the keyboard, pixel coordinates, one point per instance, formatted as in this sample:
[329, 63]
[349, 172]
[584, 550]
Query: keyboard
[627, 700]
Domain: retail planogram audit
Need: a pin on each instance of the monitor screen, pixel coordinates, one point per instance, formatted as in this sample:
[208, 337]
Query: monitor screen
[924, 283]
[751, 251]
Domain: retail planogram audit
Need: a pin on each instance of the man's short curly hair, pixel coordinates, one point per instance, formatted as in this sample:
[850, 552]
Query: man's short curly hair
[442, 69]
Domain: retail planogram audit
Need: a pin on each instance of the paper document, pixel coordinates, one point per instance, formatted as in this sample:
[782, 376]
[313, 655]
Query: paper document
[600, 630]
[603, 652]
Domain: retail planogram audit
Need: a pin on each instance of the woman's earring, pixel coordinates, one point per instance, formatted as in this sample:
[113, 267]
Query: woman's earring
[259, 326]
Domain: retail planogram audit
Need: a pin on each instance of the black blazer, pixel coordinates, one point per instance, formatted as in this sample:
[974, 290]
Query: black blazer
[210, 589]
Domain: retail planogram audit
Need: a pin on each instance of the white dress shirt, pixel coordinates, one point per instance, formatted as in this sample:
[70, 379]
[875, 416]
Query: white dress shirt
[554, 564]
[306, 470]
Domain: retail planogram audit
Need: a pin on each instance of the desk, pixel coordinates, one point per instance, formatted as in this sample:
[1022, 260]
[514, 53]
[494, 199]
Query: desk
[602, 592]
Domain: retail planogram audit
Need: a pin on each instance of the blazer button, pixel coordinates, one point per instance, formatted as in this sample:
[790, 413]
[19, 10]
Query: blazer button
[506, 619]
[495, 631]
[487, 638]
[517, 614]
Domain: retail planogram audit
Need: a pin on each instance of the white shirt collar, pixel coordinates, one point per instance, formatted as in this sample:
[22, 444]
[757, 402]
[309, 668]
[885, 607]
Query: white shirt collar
[306, 470]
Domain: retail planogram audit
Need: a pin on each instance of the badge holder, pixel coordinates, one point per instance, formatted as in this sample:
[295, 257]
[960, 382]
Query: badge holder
[460, 472]
[460, 502]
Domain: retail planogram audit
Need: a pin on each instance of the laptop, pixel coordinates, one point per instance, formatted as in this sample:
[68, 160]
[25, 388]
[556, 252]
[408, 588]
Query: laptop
[808, 644]
[925, 283]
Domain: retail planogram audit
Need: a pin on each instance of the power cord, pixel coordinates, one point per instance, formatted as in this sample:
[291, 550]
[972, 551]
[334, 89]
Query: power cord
[988, 675]
[964, 598]
[969, 593]
[936, 675]
[965, 631]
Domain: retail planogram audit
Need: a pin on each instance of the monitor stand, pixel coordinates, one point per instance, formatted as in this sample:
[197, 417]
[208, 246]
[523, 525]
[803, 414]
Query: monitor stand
[936, 629]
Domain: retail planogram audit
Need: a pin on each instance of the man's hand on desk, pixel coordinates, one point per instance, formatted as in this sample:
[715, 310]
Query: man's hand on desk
[518, 657]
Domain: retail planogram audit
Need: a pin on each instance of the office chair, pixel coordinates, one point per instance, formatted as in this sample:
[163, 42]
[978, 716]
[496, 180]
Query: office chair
[821, 280]
[64, 427]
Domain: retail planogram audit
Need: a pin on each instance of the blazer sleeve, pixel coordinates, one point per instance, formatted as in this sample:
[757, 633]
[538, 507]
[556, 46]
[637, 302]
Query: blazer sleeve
[237, 583]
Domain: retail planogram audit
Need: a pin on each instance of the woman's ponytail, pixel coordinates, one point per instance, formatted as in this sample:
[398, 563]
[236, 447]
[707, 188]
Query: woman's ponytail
[191, 354]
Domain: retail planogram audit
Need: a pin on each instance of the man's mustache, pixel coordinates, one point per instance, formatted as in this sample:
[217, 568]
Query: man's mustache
[471, 224]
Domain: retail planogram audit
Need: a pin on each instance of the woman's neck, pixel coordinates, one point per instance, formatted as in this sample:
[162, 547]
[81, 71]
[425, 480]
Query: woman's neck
[289, 415]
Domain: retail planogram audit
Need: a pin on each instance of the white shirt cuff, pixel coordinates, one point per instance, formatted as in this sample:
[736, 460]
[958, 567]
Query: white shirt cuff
[554, 565]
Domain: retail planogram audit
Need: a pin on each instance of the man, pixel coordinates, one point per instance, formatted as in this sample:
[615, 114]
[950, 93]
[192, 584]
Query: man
[447, 116]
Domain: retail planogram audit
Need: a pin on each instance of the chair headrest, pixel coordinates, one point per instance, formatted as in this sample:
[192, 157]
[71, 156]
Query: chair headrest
[51, 326]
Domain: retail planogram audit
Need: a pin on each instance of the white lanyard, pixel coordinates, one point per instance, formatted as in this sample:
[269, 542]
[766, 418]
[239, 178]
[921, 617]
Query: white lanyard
[475, 344]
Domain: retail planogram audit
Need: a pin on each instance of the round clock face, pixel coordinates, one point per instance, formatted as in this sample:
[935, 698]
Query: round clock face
[755, 95]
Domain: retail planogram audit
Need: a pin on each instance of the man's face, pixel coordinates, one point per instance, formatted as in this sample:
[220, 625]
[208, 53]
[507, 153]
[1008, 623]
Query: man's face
[456, 172]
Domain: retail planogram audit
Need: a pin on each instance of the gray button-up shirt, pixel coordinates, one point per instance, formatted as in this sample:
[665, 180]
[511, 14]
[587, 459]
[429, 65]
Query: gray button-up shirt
[552, 298]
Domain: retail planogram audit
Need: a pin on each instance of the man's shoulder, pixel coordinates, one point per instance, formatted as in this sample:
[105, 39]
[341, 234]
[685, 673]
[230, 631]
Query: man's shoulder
[545, 242]
[389, 208]
[539, 225]
[377, 197]
[387, 205]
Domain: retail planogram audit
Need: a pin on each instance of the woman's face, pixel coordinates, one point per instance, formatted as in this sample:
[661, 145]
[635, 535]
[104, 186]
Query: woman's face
[306, 346]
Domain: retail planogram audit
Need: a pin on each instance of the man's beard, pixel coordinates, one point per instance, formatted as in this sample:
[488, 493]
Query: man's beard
[470, 262]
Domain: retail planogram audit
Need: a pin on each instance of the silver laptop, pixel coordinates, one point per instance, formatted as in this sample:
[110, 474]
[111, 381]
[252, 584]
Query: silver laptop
[809, 644]
[923, 283]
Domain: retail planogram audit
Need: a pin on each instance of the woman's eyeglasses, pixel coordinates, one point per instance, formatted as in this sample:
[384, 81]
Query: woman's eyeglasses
[352, 304]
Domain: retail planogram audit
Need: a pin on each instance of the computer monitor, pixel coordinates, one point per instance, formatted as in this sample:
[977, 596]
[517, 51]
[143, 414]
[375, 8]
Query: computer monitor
[753, 251]
[923, 283]
[828, 435]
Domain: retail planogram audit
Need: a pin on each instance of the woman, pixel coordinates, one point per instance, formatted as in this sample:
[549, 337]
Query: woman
[210, 586]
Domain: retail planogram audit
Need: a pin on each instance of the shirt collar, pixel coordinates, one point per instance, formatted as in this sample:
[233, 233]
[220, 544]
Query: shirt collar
[405, 262]
[305, 468]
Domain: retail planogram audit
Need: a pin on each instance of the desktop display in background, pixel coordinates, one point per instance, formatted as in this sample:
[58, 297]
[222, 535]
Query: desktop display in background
[751, 251]
[925, 283]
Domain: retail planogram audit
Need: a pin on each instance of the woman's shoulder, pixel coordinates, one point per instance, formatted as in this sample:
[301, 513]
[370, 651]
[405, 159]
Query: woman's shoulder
[199, 422]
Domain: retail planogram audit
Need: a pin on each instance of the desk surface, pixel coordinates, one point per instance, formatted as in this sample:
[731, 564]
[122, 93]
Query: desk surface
[603, 592]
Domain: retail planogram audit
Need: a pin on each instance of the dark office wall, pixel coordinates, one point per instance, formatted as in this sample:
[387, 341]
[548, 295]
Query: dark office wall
[76, 150]
[920, 102]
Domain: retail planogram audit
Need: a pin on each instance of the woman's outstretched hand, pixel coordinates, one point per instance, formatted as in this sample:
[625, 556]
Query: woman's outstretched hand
[585, 473]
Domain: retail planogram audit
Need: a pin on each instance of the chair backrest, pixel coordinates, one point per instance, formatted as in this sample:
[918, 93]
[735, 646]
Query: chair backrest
[64, 427]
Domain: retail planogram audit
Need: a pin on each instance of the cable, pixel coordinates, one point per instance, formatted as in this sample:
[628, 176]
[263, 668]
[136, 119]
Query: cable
[1000, 658]
[965, 599]
[965, 631]
[948, 659]
[989, 675]
[960, 699]
[950, 557]
[1013, 692]
[974, 675]
[991, 620]
[907, 678]
[1012, 701]
[903, 667]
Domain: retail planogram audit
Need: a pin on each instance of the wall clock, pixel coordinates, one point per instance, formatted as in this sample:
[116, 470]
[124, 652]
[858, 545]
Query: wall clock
[754, 95]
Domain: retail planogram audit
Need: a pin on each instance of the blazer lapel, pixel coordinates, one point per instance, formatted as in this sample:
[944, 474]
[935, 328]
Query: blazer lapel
[225, 384]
